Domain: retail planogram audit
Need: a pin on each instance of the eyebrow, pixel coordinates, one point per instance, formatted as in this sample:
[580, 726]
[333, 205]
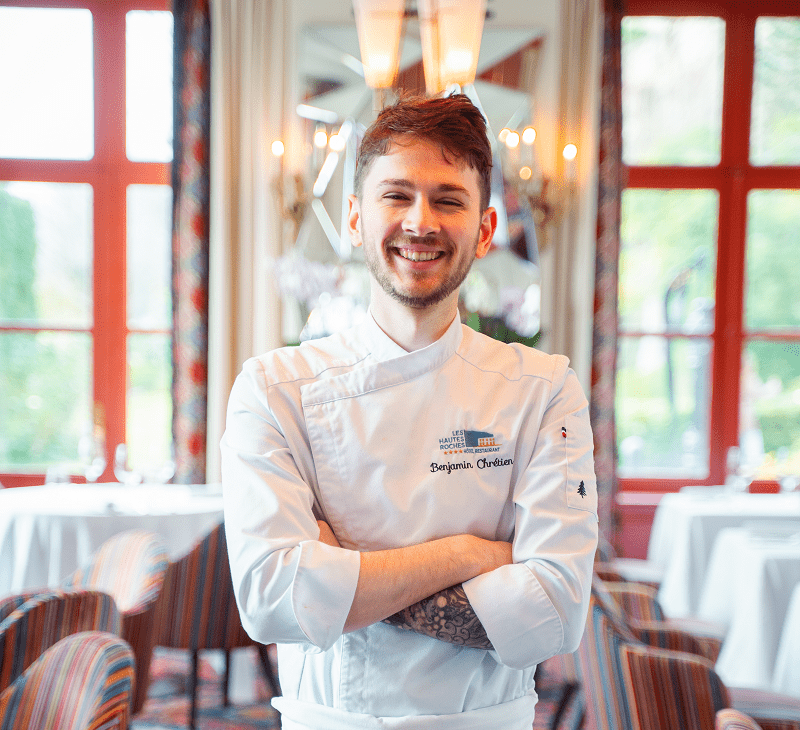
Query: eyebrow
[401, 182]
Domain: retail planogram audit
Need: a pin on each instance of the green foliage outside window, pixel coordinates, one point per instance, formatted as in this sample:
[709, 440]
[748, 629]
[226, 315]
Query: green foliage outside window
[44, 378]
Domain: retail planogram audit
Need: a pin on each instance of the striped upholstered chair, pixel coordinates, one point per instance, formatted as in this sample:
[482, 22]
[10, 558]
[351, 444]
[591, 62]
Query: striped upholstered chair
[644, 616]
[198, 611]
[83, 682]
[628, 685]
[30, 625]
[130, 567]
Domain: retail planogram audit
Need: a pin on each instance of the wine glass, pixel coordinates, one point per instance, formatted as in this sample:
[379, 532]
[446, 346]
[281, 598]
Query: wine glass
[159, 469]
[734, 480]
[167, 470]
[121, 472]
[789, 483]
[57, 474]
[92, 453]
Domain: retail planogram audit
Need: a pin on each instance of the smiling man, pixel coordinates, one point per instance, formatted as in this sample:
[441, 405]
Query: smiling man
[411, 507]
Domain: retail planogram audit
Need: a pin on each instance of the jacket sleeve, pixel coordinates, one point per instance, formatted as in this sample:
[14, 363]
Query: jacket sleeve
[289, 587]
[536, 608]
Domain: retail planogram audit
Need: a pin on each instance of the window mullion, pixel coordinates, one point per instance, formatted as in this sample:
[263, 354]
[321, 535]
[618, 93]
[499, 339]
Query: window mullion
[110, 317]
[737, 94]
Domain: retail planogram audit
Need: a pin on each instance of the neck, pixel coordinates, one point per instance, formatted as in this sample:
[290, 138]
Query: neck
[410, 328]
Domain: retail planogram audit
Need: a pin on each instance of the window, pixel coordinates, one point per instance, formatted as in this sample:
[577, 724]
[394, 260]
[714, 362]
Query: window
[85, 233]
[708, 369]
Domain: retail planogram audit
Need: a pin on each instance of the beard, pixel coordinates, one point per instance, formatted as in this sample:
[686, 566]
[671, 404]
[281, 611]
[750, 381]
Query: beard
[378, 268]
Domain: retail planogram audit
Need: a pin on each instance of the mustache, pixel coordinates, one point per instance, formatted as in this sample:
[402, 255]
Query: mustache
[433, 240]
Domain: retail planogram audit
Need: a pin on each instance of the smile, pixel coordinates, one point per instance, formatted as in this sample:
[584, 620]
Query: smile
[418, 255]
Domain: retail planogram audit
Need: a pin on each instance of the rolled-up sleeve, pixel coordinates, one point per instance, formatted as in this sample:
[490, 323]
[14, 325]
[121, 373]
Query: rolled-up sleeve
[536, 607]
[290, 588]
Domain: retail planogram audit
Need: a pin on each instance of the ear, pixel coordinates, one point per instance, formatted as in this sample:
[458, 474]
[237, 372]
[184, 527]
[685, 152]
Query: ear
[488, 227]
[354, 221]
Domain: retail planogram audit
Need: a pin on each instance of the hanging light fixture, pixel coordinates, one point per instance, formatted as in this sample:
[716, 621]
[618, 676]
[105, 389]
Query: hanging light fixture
[451, 32]
[379, 24]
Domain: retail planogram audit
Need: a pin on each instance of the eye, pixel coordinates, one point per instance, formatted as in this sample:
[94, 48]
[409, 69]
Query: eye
[395, 196]
[451, 202]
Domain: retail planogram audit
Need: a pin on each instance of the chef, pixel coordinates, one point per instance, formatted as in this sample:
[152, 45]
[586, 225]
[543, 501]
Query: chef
[411, 506]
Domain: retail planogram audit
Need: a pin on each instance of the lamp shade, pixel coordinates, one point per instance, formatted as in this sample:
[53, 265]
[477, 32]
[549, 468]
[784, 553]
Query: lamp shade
[379, 24]
[450, 31]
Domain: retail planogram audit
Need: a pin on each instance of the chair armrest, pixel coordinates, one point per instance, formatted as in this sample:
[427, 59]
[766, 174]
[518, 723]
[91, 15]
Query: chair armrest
[607, 572]
[46, 618]
[9, 604]
[710, 635]
[638, 601]
[730, 719]
[661, 635]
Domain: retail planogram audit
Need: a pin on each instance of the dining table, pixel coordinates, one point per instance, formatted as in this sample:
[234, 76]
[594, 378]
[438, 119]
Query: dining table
[48, 531]
[685, 527]
[786, 676]
[750, 579]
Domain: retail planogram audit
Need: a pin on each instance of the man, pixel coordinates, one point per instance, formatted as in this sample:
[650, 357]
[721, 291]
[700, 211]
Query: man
[411, 506]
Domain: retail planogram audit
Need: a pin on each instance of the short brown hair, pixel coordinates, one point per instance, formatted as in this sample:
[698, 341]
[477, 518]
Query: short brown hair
[453, 122]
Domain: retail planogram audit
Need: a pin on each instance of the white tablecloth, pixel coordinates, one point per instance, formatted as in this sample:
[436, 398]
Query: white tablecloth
[685, 527]
[786, 678]
[46, 532]
[748, 587]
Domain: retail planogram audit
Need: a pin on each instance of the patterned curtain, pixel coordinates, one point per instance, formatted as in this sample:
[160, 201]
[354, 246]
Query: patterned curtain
[190, 237]
[604, 334]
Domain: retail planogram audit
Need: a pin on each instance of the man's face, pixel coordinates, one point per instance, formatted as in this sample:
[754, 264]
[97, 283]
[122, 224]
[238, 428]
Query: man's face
[420, 223]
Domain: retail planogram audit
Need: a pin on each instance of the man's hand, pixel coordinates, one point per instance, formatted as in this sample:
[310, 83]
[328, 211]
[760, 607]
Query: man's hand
[326, 534]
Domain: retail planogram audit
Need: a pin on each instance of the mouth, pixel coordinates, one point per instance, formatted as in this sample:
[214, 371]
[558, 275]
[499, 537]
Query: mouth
[416, 255]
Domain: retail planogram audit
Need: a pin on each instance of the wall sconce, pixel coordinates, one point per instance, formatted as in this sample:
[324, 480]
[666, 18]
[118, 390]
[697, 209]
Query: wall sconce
[451, 32]
[297, 193]
[295, 209]
[521, 169]
[379, 24]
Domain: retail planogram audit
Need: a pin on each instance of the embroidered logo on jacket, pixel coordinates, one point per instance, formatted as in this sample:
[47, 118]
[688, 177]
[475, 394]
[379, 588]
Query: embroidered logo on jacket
[469, 442]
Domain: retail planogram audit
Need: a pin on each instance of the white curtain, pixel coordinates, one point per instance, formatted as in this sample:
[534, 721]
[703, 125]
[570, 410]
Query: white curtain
[568, 266]
[248, 88]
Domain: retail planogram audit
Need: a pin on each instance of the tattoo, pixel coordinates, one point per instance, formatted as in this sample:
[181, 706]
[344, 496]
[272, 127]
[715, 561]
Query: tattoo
[447, 616]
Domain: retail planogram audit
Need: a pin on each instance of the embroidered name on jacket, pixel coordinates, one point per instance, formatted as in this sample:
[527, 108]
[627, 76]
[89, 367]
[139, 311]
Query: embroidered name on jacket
[482, 464]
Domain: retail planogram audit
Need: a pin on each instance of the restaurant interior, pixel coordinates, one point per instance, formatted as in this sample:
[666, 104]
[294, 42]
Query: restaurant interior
[173, 194]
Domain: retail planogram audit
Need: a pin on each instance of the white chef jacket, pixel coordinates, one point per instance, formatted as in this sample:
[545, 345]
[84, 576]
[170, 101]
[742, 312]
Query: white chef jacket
[393, 448]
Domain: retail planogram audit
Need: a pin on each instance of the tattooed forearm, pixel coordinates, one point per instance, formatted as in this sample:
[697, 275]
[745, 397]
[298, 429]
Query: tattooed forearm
[447, 616]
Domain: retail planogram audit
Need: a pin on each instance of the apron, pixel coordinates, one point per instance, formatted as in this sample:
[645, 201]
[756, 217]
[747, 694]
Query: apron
[515, 715]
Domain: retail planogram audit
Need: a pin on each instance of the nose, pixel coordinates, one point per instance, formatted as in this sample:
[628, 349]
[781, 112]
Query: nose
[420, 218]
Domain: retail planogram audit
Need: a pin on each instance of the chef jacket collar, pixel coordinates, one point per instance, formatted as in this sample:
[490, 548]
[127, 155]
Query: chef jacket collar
[383, 347]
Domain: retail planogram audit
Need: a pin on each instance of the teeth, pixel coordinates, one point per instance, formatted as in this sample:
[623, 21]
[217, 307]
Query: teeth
[418, 255]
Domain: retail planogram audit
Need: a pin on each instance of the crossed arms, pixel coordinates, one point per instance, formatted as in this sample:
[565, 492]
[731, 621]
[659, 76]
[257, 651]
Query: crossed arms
[418, 588]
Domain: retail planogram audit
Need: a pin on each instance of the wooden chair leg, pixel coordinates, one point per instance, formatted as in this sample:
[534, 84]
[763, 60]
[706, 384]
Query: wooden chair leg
[226, 679]
[267, 666]
[193, 690]
[566, 695]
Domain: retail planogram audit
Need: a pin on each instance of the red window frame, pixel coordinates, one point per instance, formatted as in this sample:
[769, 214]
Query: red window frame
[733, 178]
[109, 173]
